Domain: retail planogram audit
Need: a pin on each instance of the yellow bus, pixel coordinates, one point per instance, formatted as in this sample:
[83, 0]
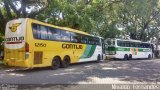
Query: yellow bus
[31, 43]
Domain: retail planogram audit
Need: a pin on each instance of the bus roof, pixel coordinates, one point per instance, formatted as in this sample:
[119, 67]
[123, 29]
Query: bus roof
[131, 40]
[63, 28]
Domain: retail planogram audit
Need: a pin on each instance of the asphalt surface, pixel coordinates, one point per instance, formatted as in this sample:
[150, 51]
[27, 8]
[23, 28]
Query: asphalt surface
[105, 72]
[83, 76]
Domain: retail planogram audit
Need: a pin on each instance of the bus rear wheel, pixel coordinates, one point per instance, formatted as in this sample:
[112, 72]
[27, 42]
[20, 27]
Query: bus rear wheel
[125, 57]
[55, 63]
[130, 57]
[65, 63]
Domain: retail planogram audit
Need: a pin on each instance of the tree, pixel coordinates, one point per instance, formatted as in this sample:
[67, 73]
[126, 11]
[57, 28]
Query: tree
[92, 16]
[107, 18]
[11, 9]
[138, 17]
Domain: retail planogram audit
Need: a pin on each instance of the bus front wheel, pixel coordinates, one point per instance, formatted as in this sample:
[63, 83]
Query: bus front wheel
[66, 61]
[55, 63]
[149, 56]
[98, 59]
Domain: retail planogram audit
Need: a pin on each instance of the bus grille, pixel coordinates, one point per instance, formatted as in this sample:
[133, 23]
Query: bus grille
[38, 57]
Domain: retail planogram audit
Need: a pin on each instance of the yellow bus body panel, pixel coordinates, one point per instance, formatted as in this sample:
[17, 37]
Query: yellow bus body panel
[52, 49]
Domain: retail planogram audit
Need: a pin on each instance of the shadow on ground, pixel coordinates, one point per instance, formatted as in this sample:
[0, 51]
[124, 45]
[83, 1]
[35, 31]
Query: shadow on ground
[130, 71]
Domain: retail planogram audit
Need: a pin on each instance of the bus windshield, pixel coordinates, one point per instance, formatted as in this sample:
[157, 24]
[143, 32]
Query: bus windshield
[110, 42]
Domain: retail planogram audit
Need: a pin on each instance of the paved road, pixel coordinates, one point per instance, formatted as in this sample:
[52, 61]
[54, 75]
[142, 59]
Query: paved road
[112, 72]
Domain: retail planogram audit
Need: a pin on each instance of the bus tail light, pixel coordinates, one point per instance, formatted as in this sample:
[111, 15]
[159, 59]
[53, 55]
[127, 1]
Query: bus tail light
[27, 47]
[27, 50]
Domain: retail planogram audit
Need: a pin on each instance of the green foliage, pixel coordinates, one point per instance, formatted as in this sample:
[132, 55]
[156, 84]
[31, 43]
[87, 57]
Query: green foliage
[140, 19]
[91, 16]
[10, 9]
[1, 44]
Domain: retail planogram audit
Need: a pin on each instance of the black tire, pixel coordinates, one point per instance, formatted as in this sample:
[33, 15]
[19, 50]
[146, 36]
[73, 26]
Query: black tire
[102, 57]
[130, 57]
[65, 63]
[98, 59]
[55, 63]
[149, 56]
[125, 57]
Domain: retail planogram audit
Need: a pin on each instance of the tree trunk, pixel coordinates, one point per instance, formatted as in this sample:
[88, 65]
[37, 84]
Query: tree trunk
[23, 8]
[2, 23]
[13, 7]
[7, 9]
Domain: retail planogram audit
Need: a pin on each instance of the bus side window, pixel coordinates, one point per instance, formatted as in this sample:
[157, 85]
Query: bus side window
[129, 44]
[78, 38]
[84, 39]
[36, 31]
[54, 34]
[43, 31]
[137, 45]
[126, 44]
[123, 43]
[97, 41]
[132, 44]
[75, 37]
[143, 45]
[119, 43]
[148, 45]
[90, 40]
[65, 35]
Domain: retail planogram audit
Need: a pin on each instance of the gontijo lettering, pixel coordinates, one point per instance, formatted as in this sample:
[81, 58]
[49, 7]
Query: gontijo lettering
[15, 39]
[72, 46]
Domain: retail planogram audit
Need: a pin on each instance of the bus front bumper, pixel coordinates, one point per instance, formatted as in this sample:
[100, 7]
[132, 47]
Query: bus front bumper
[110, 56]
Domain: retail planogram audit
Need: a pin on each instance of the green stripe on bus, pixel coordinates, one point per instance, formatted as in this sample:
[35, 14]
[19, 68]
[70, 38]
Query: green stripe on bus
[128, 49]
[92, 51]
[144, 50]
[88, 52]
[111, 49]
[122, 49]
